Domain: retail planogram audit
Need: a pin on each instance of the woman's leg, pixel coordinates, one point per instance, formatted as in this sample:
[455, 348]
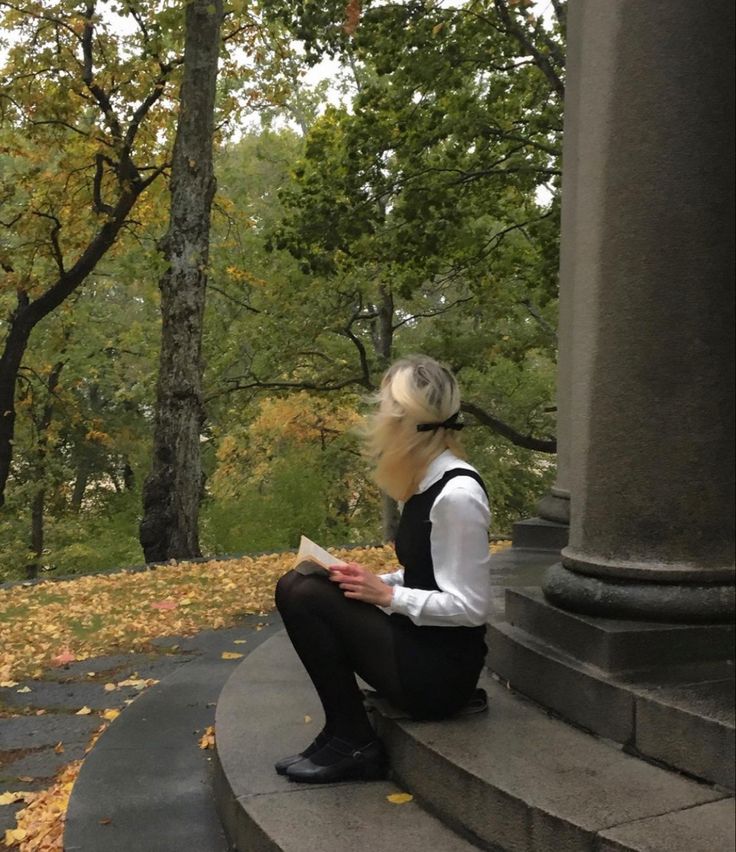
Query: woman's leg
[335, 638]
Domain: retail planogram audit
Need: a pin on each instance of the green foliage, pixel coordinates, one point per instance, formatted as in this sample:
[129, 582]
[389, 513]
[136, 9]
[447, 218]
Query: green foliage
[420, 215]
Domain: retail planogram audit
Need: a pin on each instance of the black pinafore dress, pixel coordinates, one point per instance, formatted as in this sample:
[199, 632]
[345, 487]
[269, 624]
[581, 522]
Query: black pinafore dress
[438, 665]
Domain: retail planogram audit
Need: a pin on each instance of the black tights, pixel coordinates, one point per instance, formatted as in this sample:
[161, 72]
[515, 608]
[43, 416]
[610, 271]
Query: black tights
[336, 638]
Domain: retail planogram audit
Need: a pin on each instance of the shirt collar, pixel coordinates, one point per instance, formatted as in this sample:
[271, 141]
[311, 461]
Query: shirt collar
[437, 468]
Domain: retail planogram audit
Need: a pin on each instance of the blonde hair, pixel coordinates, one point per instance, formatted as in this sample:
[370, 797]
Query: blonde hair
[414, 390]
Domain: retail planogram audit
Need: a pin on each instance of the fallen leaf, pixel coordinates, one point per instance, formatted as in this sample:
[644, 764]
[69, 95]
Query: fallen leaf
[207, 740]
[399, 798]
[85, 711]
[59, 748]
[105, 821]
[15, 835]
[235, 642]
[111, 714]
[24, 689]
[166, 604]
[110, 687]
[230, 655]
[8, 798]
[307, 720]
[61, 659]
[9, 683]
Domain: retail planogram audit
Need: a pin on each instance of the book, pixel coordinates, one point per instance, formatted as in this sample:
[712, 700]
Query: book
[313, 559]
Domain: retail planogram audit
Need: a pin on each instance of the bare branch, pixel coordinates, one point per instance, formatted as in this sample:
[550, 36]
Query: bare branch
[99, 94]
[315, 386]
[100, 206]
[540, 60]
[144, 107]
[433, 313]
[211, 286]
[535, 312]
[365, 379]
[54, 236]
[542, 445]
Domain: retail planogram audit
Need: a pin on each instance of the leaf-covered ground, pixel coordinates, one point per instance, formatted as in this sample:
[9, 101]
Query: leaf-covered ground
[55, 622]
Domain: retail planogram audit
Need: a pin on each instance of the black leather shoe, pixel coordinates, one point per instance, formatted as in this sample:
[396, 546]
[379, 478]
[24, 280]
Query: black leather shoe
[477, 704]
[367, 763]
[282, 765]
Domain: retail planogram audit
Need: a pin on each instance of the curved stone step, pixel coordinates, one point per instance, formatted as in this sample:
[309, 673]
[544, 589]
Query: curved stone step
[146, 778]
[510, 779]
[267, 709]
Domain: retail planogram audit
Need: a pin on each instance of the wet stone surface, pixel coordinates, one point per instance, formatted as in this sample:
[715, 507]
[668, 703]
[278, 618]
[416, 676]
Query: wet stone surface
[28, 759]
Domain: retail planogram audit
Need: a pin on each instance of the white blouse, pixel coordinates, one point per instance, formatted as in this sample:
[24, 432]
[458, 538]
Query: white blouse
[460, 518]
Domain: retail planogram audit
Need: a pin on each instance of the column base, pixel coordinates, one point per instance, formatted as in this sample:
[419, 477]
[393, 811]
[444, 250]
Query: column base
[649, 601]
[555, 506]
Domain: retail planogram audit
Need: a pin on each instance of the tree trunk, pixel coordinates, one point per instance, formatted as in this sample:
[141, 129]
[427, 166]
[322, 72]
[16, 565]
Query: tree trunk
[172, 491]
[80, 484]
[10, 361]
[37, 504]
[33, 568]
[28, 314]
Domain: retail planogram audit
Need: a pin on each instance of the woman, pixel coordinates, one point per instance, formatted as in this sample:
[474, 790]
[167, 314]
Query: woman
[416, 635]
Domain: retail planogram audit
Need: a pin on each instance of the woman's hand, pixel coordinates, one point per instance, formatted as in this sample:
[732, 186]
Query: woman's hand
[359, 584]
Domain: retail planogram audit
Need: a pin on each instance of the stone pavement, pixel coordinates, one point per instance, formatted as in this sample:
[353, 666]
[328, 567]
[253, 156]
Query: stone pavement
[149, 754]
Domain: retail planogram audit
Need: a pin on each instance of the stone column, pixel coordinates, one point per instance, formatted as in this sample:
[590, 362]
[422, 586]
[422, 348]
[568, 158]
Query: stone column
[650, 90]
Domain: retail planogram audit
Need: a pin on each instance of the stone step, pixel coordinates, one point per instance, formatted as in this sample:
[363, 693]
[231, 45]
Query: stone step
[509, 779]
[539, 534]
[522, 781]
[683, 717]
[268, 709]
[147, 785]
[616, 645]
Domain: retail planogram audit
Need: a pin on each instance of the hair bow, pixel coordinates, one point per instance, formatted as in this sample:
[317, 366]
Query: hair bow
[450, 423]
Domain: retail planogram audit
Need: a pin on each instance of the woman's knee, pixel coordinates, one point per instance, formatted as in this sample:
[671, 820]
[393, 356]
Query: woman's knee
[305, 591]
[286, 588]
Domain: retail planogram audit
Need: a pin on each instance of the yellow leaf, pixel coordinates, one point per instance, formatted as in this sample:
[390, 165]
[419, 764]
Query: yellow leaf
[59, 748]
[9, 683]
[15, 835]
[111, 715]
[307, 720]
[9, 798]
[230, 655]
[85, 711]
[207, 740]
[235, 642]
[399, 798]
[24, 689]
[109, 687]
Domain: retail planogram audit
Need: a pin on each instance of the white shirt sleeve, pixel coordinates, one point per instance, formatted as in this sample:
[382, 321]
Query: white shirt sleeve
[460, 519]
[395, 578]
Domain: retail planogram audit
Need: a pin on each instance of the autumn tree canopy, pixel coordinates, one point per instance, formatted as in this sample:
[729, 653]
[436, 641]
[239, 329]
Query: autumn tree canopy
[413, 208]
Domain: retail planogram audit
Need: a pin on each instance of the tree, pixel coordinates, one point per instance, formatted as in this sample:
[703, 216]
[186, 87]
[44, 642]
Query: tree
[173, 490]
[79, 146]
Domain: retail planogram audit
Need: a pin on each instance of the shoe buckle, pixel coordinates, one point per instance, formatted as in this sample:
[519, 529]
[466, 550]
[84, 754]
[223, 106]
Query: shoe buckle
[356, 754]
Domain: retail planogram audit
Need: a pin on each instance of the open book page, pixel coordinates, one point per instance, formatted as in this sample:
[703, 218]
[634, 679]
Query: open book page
[313, 559]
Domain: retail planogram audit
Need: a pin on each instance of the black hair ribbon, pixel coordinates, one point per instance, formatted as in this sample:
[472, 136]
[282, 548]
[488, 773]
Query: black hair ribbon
[450, 423]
